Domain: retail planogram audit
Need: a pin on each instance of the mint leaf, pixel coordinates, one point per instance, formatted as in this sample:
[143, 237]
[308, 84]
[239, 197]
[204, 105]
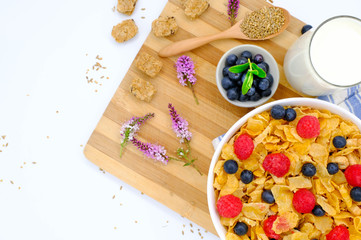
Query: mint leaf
[261, 73]
[238, 68]
[247, 84]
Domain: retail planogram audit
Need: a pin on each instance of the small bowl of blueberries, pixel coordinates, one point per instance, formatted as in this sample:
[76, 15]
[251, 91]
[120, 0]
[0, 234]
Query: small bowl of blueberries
[239, 88]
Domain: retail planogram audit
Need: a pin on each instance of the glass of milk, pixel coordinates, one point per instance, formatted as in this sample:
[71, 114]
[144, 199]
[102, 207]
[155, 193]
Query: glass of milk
[323, 61]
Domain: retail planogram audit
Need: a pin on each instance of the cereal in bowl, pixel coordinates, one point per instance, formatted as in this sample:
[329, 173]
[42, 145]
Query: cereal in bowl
[291, 173]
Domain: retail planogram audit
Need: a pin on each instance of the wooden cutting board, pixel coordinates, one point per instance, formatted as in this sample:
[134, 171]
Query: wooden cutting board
[181, 188]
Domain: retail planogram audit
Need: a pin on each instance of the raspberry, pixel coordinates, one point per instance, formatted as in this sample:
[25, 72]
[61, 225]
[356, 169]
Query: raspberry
[243, 146]
[277, 163]
[339, 232]
[267, 227]
[353, 175]
[308, 127]
[304, 201]
[229, 206]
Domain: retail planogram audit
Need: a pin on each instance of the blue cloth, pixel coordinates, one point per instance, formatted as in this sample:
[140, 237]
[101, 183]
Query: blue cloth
[349, 99]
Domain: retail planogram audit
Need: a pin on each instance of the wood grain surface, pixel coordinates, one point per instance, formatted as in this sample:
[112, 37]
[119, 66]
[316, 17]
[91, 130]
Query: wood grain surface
[180, 188]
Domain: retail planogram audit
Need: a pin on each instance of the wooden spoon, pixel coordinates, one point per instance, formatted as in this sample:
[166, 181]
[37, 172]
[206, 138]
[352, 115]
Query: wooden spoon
[233, 32]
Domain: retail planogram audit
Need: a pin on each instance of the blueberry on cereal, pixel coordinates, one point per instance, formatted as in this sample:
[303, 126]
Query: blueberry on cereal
[318, 211]
[267, 196]
[339, 142]
[308, 169]
[247, 176]
[278, 112]
[290, 114]
[332, 168]
[230, 166]
[355, 194]
[240, 229]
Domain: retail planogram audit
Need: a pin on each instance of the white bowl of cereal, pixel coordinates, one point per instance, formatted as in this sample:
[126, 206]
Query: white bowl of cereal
[331, 192]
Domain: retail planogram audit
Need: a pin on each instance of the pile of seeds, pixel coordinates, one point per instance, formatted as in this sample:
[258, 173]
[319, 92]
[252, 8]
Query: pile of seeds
[263, 22]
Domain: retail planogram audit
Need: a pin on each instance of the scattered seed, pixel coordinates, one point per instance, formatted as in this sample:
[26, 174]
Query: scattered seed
[113, 196]
[113, 9]
[142, 9]
[81, 145]
[33, 162]
[142, 17]
[136, 221]
[11, 182]
[47, 137]
[182, 232]
[121, 187]
[115, 228]
[192, 231]
[191, 224]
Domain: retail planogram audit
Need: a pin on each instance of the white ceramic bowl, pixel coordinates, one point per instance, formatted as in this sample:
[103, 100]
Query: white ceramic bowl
[311, 102]
[268, 58]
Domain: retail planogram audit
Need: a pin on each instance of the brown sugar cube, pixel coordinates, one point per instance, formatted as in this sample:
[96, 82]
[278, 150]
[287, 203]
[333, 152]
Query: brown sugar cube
[143, 90]
[195, 8]
[148, 64]
[164, 26]
[126, 6]
[124, 31]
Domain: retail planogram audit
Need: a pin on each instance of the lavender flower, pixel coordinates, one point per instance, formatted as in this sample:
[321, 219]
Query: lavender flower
[150, 150]
[186, 73]
[233, 6]
[130, 128]
[179, 125]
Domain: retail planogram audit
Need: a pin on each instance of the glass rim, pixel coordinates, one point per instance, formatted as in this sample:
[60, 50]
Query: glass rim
[309, 49]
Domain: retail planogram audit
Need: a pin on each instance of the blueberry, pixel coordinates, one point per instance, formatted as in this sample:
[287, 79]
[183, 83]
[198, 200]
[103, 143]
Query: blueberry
[243, 98]
[246, 54]
[227, 83]
[232, 94]
[251, 91]
[269, 77]
[290, 114]
[266, 93]
[241, 60]
[255, 97]
[356, 194]
[225, 71]
[305, 28]
[246, 176]
[308, 169]
[332, 168]
[264, 66]
[234, 76]
[243, 77]
[258, 58]
[230, 166]
[239, 83]
[256, 81]
[231, 60]
[278, 112]
[267, 196]
[263, 84]
[318, 211]
[339, 142]
[240, 229]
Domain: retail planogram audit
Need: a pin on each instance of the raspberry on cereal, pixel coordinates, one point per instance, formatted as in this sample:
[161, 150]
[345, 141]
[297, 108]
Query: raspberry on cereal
[353, 175]
[229, 206]
[308, 127]
[267, 227]
[243, 146]
[339, 232]
[304, 201]
[277, 164]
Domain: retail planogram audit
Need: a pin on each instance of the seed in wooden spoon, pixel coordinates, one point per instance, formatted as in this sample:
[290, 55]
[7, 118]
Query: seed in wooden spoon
[263, 22]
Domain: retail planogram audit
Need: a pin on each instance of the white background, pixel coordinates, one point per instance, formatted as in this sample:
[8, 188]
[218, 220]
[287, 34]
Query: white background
[48, 111]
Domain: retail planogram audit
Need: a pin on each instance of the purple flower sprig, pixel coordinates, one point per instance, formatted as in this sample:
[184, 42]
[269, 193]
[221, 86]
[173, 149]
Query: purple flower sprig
[233, 6]
[186, 73]
[180, 127]
[154, 151]
[130, 128]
